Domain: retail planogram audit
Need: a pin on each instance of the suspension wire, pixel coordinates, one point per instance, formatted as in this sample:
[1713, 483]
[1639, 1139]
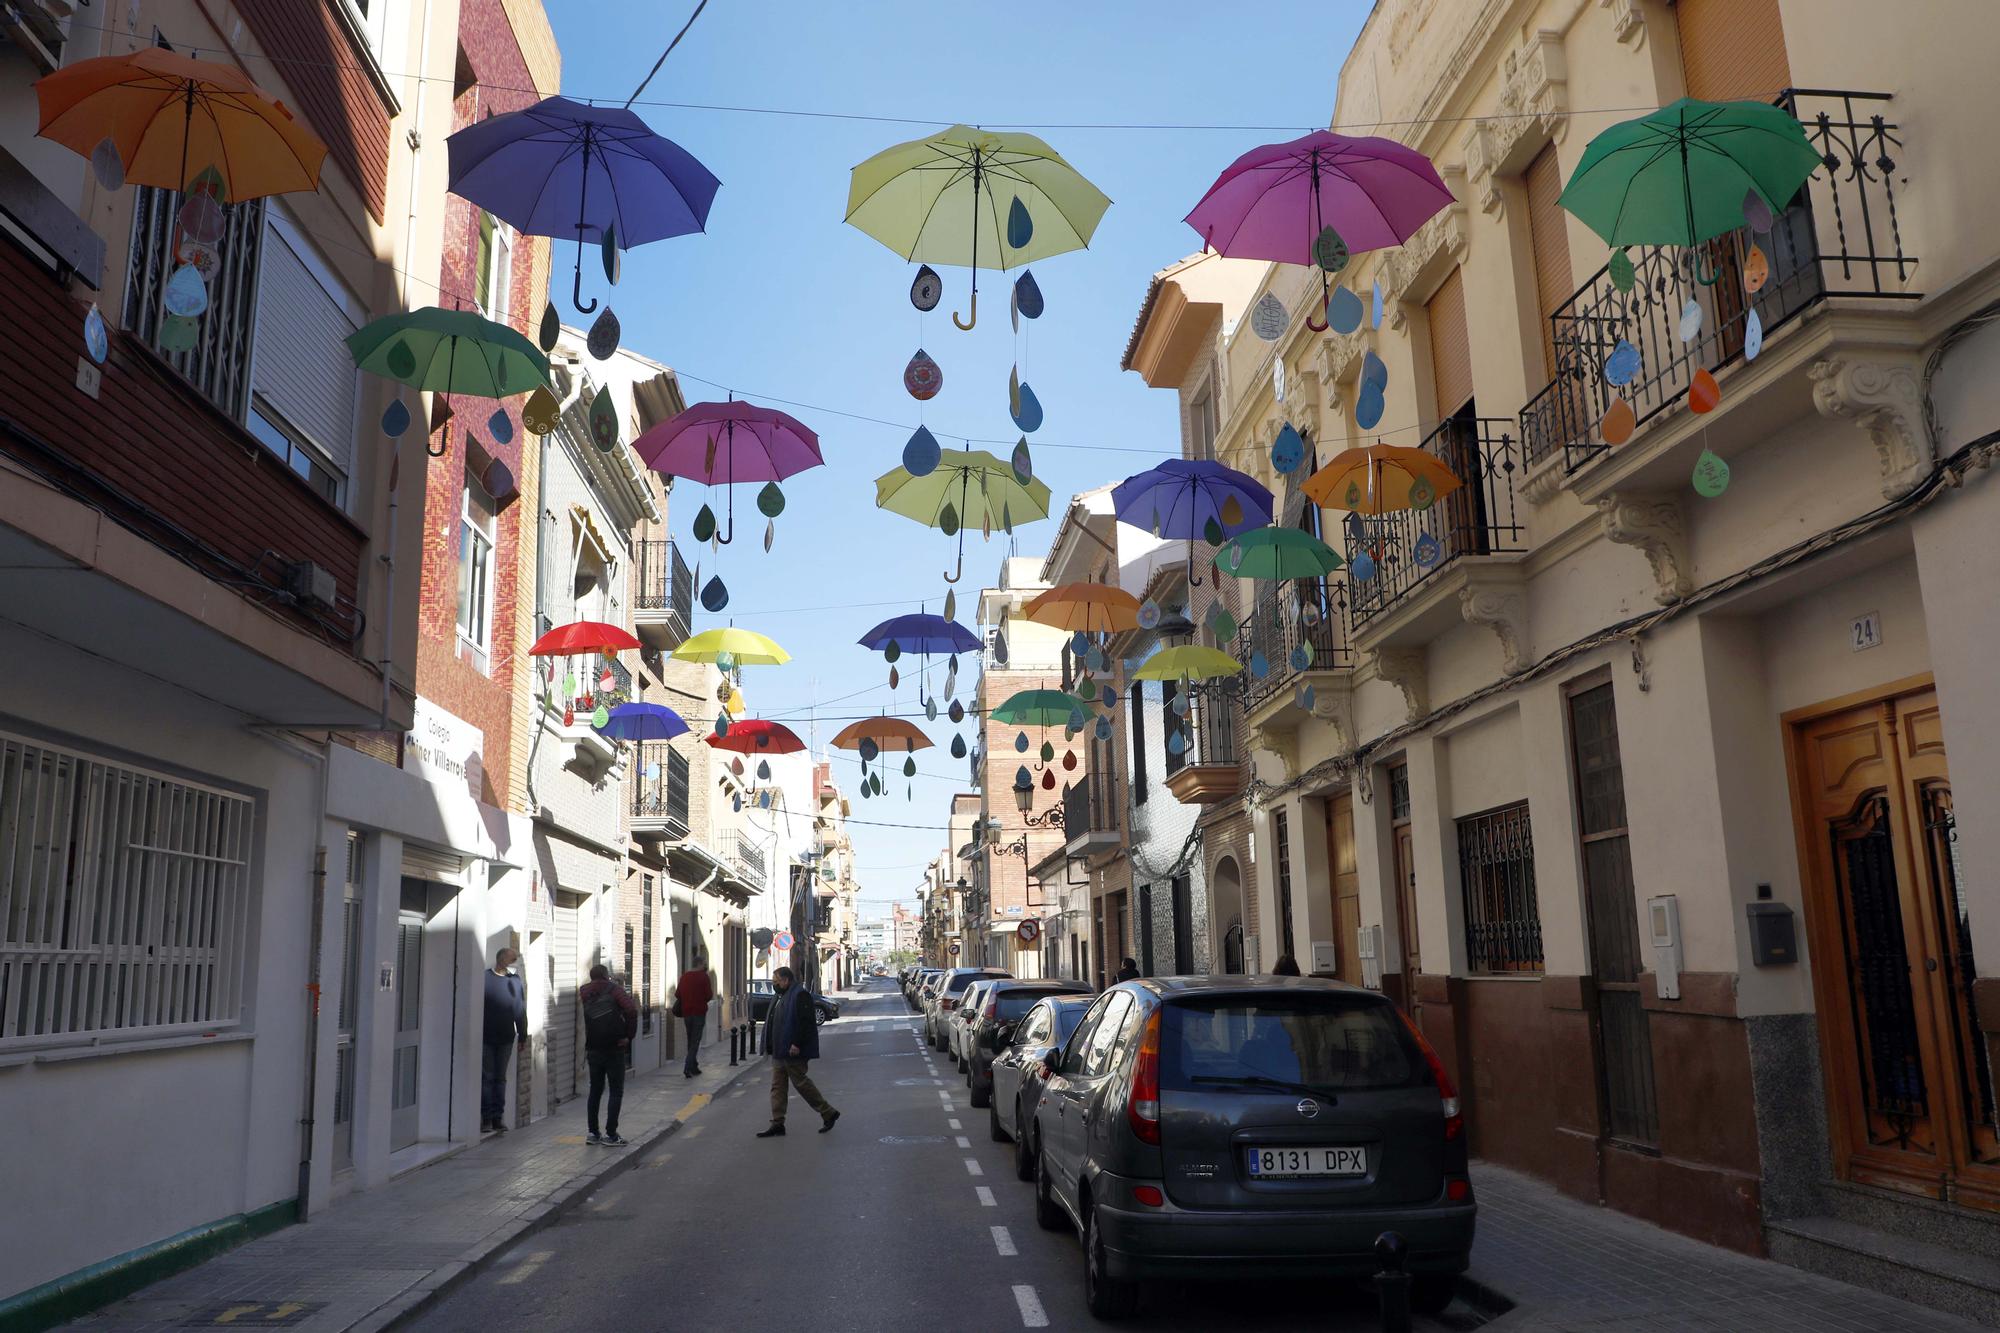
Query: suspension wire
[664, 54]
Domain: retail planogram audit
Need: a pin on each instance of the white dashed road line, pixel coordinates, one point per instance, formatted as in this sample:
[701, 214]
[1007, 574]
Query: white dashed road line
[964, 1142]
[986, 1199]
[954, 1124]
[1003, 1242]
[1032, 1313]
[972, 1167]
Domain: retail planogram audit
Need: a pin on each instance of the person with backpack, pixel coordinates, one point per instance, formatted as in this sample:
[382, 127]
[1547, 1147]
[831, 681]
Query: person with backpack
[610, 1021]
[692, 994]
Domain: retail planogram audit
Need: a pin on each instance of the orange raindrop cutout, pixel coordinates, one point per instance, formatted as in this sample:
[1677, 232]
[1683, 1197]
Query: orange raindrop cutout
[1618, 423]
[1703, 393]
[1756, 270]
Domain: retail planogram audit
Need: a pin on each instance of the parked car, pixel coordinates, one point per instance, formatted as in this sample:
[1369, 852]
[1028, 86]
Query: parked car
[918, 981]
[987, 1027]
[1230, 1127]
[959, 1019]
[946, 991]
[1018, 1074]
[762, 992]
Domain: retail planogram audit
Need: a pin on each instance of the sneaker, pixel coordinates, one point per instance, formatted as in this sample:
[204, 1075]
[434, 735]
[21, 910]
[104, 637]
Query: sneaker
[776, 1131]
[826, 1121]
[499, 1128]
[612, 1140]
[595, 1137]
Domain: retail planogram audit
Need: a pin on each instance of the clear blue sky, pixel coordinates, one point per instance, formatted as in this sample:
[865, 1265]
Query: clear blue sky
[780, 299]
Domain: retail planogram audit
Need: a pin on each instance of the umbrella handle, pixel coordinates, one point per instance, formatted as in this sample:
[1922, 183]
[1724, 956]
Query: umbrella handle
[1713, 269]
[953, 578]
[444, 448]
[1319, 325]
[967, 323]
[721, 540]
[1315, 325]
[1194, 580]
[576, 287]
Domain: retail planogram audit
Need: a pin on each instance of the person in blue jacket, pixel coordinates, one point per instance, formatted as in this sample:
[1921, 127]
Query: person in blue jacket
[791, 1038]
[506, 1027]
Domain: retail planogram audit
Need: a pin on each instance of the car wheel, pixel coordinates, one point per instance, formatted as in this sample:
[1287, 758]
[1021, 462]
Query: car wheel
[1049, 1215]
[993, 1121]
[1024, 1160]
[1108, 1297]
[1430, 1293]
[980, 1096]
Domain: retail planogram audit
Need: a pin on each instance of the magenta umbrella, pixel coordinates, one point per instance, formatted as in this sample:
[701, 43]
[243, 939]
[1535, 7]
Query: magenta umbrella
[721, 444]
[1276, 201]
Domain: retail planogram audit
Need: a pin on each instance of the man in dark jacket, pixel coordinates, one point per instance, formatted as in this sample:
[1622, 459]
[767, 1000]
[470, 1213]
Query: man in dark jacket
[610, 1021]
[1128, 970]
[505, 1028]
[791, 1038]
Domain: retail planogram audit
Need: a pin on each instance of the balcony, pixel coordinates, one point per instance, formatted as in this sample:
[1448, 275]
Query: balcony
[1841, 238]
[1214, 771]
[1091, 815]
[749, 858]
[660, 792]
[662, 595]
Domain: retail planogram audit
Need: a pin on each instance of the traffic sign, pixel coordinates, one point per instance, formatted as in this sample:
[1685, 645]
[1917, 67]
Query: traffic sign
[953, 950]
[783, 940]
[1029, 931]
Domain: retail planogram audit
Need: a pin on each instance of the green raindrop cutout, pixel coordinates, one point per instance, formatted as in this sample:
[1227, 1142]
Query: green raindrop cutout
[402, 362]
[704, 524]
[770, 500]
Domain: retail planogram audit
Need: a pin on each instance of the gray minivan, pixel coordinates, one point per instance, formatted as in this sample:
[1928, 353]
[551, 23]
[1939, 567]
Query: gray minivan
[1233, 1127]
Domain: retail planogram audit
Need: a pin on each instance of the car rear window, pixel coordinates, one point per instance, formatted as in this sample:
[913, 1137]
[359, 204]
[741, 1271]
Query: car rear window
[1014, 1003]
[1316, 1041]
[1067, 1017]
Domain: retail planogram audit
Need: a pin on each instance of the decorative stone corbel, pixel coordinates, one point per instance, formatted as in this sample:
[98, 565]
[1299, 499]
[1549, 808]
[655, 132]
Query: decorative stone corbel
[1886, 400]
[1652, 523]
[1504, 610]
[1280, 745]
[1628, 21]
[1405, 669]
[1483, 184]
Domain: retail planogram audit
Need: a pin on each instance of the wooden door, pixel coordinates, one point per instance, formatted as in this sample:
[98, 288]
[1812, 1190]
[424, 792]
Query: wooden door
[1345, 885]
[1910, 1088]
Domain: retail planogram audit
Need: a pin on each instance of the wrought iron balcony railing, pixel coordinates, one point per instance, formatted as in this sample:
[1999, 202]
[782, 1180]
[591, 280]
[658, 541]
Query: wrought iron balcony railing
[1481, 517]
[664, 588]
[1218, 730]
[1270, 637]
[1842, 236]
[660, 789]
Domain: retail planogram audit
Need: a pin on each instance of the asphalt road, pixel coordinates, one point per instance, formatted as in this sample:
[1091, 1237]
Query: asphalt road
[906, 1216]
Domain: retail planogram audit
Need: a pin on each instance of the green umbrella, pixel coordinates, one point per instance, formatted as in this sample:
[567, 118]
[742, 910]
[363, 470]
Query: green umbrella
[1679, 176]
[966, 489]
[449, 351]
[1038, 708]
[1277, 553]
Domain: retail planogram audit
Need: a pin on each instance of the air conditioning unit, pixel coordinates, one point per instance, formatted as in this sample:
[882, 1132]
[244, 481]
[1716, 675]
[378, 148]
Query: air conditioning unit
[310, 583]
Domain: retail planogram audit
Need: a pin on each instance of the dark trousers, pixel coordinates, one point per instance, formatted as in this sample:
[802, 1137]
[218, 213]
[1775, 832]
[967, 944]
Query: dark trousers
[606, 1066]
[694, 1023]
[788, 1074]
[493, 1082]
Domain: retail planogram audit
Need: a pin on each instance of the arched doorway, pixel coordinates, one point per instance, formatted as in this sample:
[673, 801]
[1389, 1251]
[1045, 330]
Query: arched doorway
[1226, 914]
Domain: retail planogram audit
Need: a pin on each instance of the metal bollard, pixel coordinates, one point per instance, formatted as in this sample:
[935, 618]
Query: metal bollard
[733, 1039]
[1392, 1284]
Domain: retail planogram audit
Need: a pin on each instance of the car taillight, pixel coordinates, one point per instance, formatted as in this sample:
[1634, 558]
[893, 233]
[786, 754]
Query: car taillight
[1458, 1190]
[1454, 1120]
[1149, 1195]
[1142, 1108]
[993, 1009]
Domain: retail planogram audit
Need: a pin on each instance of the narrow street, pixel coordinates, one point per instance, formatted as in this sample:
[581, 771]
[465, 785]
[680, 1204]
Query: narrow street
[907, 1215]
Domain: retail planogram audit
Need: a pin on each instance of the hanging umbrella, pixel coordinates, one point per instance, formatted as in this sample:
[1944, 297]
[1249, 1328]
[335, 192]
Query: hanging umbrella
[171, 116]
[965, 489]
[643, 722]
[722, 444]
[1679, 175]
[561, 168]
[742, 646]
[1089, 608]
[1277, 553]
[1188, 662]
[883, 731]
[448, 352]
[1192, 498]
[920, 633]
[1038, 708]
[1278, 201]
[1380, 479]
[582, 636]
[951, 199]
[756, 736]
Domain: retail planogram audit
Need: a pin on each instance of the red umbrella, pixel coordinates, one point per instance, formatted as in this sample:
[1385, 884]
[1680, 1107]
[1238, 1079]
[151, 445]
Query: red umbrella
[583, 636]
[755, 736]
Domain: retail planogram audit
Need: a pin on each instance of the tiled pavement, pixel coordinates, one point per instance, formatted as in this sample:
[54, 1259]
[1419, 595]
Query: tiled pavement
[1573, 1268]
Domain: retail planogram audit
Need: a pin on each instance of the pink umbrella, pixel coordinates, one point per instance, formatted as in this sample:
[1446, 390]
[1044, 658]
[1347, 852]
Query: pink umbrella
[1275, 201]
[720, 444]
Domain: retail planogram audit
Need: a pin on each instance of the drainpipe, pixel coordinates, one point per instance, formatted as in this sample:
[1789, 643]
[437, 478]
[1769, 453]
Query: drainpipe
[541, 593]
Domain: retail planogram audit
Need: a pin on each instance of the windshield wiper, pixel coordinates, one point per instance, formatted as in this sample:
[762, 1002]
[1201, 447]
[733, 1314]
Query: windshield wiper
[1260, 1081]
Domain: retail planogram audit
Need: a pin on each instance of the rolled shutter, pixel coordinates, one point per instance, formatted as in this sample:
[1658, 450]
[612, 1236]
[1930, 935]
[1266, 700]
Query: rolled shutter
[1451, 349]
[1732, 49]
[303, 368]
[424, 863]
[1549, 234]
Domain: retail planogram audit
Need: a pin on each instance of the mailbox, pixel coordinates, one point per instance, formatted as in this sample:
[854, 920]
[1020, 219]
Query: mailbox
[1773, 933]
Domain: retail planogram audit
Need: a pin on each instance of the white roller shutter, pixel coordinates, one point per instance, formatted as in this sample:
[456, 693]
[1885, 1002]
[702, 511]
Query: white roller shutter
[562, 998]
[302, 367]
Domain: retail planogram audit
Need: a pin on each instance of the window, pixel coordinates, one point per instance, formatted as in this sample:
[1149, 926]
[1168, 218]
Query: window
[1170, 724]
[475, 571]
[1104, 1035]
[1034, 1030]
[1137, 718]
[1146, 929]
[1496, 868]
[677, 787]
[1183, 926]
[294, 451]
[1281, 833]
[302, 375]
[1399, 793]
[493, 277]
[372, 18]
[1201, 425]
[646, 955]
[123, 898]
[212, 351]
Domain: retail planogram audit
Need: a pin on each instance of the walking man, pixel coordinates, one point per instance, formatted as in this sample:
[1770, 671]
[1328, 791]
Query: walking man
[1128, 970]
[506, 1027]
[610, 1021]
[692, 994]
[791, 1038]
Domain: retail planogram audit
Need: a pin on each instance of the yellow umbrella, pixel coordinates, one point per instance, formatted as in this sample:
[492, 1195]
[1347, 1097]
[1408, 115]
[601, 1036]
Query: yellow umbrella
[1381, 479]
[1094, 608]
[1189, 662]
[745, 647]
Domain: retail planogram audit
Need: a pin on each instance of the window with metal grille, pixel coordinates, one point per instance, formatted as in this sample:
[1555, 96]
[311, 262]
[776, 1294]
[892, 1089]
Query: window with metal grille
[475, 571]
[212, 350]
[1399, 792]
[493, 279]
[1170, 727]
[123, 898]
[1496, 870]
[1281, 833]
[646, 956]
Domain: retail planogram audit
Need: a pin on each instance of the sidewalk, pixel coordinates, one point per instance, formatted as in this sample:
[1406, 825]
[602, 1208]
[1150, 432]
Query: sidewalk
[373, 1258]
[1569, 1267]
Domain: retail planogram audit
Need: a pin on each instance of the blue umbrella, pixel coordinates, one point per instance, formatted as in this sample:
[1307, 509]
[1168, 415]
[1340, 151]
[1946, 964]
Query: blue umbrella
[1194, 499]
[918, 633]
[561, 168]
[643, 722]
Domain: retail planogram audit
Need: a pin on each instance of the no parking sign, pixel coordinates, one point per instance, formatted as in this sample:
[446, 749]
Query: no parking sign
[783, 940]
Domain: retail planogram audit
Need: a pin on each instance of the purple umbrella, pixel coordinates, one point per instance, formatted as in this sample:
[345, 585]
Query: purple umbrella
[720, 444]
[1274, 201]
[561, 168]
[1192, 498]
[921, 633]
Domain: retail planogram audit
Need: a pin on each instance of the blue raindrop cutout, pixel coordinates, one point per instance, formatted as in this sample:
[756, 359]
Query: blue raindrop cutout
[1374, 370]
[1306, 698]
[1021, 743]
[1103, 728]
[1176, 742]
[1753, 336]
[921, 454]
[1361, 568]
[1301, 657]
[1029, 418]
[868, 749]
[96, 339]
[1368, 407]
[1028, 296]
[1288, 450]
[500, 426]
[1079, 643]
[1622, 366]
[1343, 311]
[1428, 551]
[1075, 720]
[1260, 666]
[714, 594]
[958, 747]
[1094, 658]
[1109, 698]
[396, 420]
[722, 724]
[1020, 227]
[763, 770]
[1375, 310]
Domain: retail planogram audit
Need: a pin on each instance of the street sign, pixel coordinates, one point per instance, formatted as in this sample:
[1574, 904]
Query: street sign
[953, 950]
[783, 940]
[1028, 931]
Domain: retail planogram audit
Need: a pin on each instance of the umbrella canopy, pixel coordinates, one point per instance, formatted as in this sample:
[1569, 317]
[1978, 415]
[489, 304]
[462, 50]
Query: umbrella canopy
[744, 647]
[721, 444]
[643, 722]
[449, 351]
[967, 489]
[884, 731]
[1093, 608]
[1188, 662]
[756, 736]
[1277, 553]
[1380, 479]
[1275, 200]
[949, 199]
[1195, 499]
[1679, 176]
[1038, 708]
[921, 633]
[173, 117]
[582, 636]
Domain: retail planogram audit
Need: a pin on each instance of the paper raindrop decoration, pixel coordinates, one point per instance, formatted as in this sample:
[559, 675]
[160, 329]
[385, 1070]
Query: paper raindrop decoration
[1368, 407]
[1622, 366]
[604, 422]
[704, 524]
[910, 766]
[604, 333]
[1703, 392]
[1101, 728]
[1753, 336]
[1329, 250]
[1690, 327]
[1176, 742]
[1268, 318]
[500, 426]
[571, 685]
[106, 165]
[930, 709]
[1021, 742]
[948, 519]
[1375, 307]
[1222, 623]
[1260, 666]
[540, 413]
[1069, 760]
[1278, 379]
[1374, 370]
[202, 219]
[402, 362]
[1427, 551]
[958, 747]
[551, 328]
[956, 712]
[1343, 311]
[1301, 656]
[1622, 276]
[1049, 780]
[1711, 475]
[770, 500]
[868, 750]
[1232, 511]
[1212, 533]
[1361, 568]
[1618, 422]
[600, 717]
[1079, 643]
[921, 454]
[97, 342]
[1094, 658]
[1020, 227]
[722, 724]
[1149, 614]
[1024, 466]
[926, 289]
[770, 534]
[1028, 416]
[763, 770]
[614, 264]
[1756, 213]
[394, 421]
[1181, 704]
[1000, 648]
[187, 295]
[1028, 296]
[923, 377]
[1109, 698]
[714, 595]
[891, 651]
[951, 613]
[1306, 697]
[895, 678]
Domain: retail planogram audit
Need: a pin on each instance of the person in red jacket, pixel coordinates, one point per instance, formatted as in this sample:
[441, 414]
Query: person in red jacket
[610, 1022]
[692, 995]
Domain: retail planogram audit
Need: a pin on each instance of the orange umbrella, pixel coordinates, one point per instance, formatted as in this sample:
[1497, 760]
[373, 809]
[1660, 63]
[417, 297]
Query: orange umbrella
[173, 117]
[1094, 608]
[1380, 479]
[884, 731]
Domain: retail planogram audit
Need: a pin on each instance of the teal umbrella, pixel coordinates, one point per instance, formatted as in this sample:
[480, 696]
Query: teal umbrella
[1038, 708]
[1277, 553]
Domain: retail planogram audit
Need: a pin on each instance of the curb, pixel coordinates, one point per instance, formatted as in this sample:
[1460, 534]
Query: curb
[440, 1281]
[1488, 1302]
